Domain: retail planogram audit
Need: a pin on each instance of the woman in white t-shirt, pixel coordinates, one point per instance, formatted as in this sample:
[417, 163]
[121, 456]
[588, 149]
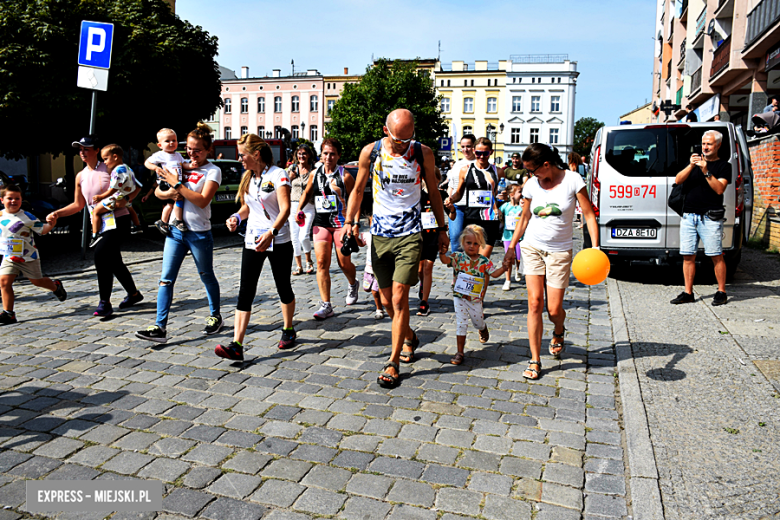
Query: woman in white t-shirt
[197, 188]
[546, 227]
[264, 195]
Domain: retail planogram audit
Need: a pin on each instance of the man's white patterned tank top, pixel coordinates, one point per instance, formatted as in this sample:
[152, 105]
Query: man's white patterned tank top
[396, 188]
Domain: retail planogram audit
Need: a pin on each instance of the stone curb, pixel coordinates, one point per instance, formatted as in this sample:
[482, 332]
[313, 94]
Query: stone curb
[642, 472]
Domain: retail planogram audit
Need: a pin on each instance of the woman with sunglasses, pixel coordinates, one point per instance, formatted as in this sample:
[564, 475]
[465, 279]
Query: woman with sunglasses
[264, 195]
[478, 182]
[329, 188]
[299, 174]
[546, 227]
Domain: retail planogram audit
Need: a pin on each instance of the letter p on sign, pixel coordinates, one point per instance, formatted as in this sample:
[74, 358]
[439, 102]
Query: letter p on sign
[95, 44]
[95, 34]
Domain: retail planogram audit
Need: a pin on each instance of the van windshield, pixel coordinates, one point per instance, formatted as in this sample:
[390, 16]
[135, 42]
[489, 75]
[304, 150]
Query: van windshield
[656, 152]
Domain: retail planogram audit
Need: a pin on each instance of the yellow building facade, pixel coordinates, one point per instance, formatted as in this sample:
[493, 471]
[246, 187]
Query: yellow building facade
[473, 97]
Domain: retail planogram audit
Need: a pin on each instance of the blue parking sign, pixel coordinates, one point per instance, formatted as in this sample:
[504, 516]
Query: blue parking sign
[95, 44]
[445, 143]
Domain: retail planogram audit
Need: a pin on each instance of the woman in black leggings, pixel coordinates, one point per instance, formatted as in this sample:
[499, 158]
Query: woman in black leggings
[90, 181]
[264, 195]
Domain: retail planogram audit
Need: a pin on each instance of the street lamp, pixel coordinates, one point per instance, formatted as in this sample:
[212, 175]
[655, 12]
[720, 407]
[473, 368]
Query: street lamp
[303, 130]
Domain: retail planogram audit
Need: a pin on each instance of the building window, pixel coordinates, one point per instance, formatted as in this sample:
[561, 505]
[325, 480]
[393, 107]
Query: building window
[448, 83]
[244, 105]
[244, 130]
[515, 136]
[536, 103]
[492, 105]
[467, 130]
[538, 80]
[228, 106]
[517, 103]
[533, 80]
[295, 131]
[555, 104]
[228, 132]
[514, 80]
[442, 83]
[445, 104]
[553, 136]
[468, 104]
[277, 132]
[331, 104]
[465, 83]
[315, 103]
[261, 105]
[313, 136]
[278, 104]
[261, 131]
[295, 104]
[472, 82]
[534, 135]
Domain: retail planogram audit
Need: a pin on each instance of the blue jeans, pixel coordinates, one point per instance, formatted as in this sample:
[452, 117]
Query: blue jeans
[456, 228]
[176, 246]
[694, 227]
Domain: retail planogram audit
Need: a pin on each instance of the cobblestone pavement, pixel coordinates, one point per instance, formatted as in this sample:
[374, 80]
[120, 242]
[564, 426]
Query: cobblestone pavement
[307, 433]
[706, 376]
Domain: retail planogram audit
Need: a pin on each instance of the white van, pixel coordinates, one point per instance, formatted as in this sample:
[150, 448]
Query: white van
[631, 176]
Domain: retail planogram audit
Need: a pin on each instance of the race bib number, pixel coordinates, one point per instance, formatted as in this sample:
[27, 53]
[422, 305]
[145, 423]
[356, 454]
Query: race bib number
[252, 236]
[326, 204]
[511, 221]
[12, 247]
[428, 220]
[469, 285]
[480, 198]
[109, 221]
[174, 167]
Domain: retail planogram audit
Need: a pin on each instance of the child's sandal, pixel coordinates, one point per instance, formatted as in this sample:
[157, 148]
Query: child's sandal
[457, 359]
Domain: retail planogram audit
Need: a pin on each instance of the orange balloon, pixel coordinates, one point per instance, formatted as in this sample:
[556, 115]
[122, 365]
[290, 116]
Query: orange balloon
[590, 266]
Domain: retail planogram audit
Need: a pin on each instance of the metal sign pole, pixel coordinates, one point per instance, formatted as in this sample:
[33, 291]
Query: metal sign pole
[86, 224]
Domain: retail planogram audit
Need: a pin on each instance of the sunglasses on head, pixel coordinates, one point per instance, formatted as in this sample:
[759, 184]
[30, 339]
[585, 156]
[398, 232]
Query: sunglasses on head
[480, 153]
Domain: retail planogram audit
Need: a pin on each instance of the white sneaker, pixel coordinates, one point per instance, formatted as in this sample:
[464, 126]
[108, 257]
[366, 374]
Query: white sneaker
[352, 293]
[379, 314]
[506, 286]
[325, 311]
[518, 275]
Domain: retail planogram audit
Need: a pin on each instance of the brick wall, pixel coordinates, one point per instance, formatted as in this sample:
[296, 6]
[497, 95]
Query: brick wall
[765, 156]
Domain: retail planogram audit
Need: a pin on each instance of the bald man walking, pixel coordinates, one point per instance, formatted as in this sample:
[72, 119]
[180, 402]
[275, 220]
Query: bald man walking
[398, 164]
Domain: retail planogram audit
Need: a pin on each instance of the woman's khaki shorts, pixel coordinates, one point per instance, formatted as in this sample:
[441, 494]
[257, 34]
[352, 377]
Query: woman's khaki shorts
[556, 266]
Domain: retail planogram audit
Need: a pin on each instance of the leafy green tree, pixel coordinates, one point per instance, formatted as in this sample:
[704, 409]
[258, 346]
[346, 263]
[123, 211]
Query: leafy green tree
[584, 132]
[358, 116]
[163, 74]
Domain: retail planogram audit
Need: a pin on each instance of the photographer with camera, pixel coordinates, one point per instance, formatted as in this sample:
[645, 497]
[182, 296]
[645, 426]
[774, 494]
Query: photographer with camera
[704, 180]
[329, 188]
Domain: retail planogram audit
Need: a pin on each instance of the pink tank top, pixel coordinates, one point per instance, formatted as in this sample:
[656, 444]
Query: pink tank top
[94, 182]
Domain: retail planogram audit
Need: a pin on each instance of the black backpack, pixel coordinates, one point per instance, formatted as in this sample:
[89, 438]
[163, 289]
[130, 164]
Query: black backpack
[418, 156]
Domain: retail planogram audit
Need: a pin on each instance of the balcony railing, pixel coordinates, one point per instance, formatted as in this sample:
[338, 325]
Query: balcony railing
[682, 6]
[761, 18]
[700, 21]
[678, 97]
[720, 59]
[682, 48]
[696, 80]
[538, 58]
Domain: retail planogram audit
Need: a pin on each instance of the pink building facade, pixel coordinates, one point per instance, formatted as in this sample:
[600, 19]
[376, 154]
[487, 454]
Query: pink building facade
[272, 106]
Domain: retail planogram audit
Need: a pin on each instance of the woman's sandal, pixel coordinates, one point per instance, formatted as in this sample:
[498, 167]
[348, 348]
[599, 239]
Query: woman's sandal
[555, 349]
[534, 372]
[393, 380]
[407, 356]
[297, 271]
[309, 269]
[457, 359]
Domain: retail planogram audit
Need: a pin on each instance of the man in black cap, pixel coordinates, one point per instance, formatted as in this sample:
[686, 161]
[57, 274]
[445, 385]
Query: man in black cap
[514, 172]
